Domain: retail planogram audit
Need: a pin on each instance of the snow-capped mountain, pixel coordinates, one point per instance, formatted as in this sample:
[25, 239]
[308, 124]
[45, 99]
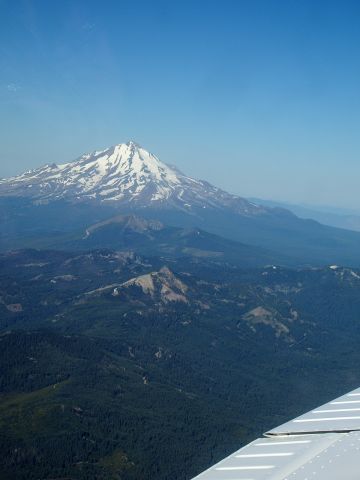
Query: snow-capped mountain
[125, 174]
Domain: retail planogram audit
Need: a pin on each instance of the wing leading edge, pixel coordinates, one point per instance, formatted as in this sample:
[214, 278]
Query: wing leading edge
[323, 444]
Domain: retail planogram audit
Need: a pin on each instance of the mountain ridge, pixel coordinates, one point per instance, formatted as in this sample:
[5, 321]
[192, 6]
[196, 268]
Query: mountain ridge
[126, 179]
[155, 239]
[124, 174]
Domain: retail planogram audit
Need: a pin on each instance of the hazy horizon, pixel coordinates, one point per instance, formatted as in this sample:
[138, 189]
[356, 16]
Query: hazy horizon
[260, 99]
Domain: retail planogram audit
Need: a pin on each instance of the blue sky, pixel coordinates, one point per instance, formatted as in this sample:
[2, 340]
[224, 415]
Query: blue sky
[259, 97]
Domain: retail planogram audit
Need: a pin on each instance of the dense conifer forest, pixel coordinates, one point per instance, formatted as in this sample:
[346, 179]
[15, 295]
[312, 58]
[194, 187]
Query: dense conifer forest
[116, 366]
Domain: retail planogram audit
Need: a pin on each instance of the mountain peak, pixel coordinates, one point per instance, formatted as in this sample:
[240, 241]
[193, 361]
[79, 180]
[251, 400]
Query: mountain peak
[130, 223]
[163, 284]
[126, 175]
[132, 144]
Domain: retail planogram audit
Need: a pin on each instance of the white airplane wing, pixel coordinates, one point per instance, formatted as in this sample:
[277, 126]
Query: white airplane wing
[323, 444]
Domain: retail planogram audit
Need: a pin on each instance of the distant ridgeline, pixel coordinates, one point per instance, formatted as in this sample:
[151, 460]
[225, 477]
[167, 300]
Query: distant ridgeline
[126, 179]
[150, 322]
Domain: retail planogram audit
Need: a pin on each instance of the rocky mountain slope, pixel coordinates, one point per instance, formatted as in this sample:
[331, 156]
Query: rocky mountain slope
[127, 179]
[125, 175]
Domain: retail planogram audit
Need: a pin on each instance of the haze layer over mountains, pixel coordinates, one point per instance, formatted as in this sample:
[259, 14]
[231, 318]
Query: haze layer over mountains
[126, 179]
[151, 322]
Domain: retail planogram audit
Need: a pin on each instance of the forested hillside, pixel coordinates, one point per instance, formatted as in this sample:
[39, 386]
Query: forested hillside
[118, 366]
